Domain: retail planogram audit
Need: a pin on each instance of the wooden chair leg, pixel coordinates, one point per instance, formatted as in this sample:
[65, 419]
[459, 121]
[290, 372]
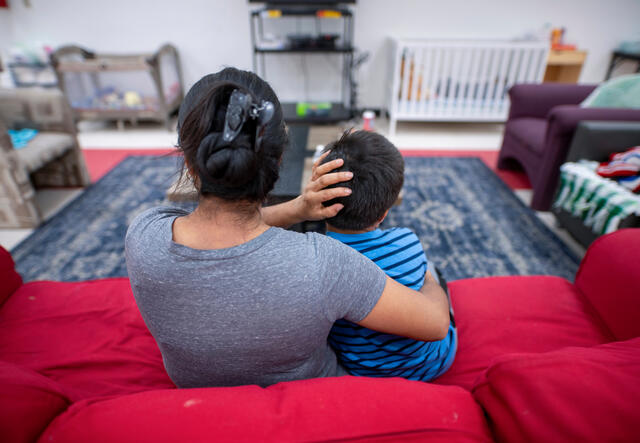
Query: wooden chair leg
[19, 209]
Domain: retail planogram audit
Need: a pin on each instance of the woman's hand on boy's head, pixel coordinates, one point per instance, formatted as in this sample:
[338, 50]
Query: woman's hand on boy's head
[315, 193]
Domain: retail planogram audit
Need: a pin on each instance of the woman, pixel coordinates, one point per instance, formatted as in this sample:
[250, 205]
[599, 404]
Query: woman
[229, 297]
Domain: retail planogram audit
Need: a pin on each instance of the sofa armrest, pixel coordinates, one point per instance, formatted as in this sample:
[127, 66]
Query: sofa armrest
[536, 100]
[609, 277]
[565, 118]
[563, 121]
[38, 108]
[10, 280]
[596, 140]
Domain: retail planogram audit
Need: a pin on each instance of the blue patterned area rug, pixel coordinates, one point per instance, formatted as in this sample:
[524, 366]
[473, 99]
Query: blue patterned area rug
[469, 221]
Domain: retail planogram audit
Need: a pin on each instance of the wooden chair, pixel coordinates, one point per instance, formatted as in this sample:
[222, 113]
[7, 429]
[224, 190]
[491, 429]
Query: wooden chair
[52, 158]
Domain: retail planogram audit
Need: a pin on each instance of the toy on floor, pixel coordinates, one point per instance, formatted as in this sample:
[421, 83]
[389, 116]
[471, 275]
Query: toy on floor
[110, 98]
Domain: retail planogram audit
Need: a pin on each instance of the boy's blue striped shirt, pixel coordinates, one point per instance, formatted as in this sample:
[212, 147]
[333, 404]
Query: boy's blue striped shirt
[370, 353]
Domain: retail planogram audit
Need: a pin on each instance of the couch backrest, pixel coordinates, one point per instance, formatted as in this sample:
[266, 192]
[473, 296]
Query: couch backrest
[609, 276]
[10, 280]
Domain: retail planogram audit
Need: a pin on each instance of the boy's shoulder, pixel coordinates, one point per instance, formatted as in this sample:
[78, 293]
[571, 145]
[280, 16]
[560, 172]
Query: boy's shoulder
[398, 235]
[399, 230]
[387, 237]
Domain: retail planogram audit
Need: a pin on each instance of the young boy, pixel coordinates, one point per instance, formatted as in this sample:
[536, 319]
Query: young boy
[378, 175]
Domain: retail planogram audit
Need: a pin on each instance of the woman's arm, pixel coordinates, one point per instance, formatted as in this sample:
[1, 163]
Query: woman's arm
[422, 315]
[309, 205]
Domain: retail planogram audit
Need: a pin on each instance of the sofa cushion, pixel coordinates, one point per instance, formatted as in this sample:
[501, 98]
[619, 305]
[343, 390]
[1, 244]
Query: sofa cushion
[308, 410]
[88, 336]
[616, 297]
[43, 148]
[28, 403]
[529, 131]
[502, 315]
[573, 394]
[10, 279]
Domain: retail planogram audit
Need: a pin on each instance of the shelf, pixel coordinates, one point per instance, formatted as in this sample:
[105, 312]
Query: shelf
[339, 50]
[338, 113]
[628, 55]
[277, 11]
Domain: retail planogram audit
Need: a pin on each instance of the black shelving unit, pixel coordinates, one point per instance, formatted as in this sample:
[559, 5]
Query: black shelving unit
[340, 111]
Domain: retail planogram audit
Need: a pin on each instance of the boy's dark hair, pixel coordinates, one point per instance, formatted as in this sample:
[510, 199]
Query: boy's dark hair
[378, 175]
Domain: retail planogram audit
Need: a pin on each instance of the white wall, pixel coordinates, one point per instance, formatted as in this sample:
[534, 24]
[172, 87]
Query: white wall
[211, 34]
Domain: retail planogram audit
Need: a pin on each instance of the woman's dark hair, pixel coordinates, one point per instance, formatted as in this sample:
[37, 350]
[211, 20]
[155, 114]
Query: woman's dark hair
[233, 170]
[378, 175]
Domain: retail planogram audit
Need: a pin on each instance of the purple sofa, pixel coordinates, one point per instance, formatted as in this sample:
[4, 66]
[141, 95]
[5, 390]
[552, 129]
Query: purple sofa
[538, 132]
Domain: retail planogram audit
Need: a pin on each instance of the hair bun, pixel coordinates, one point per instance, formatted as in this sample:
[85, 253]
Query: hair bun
[231, 164]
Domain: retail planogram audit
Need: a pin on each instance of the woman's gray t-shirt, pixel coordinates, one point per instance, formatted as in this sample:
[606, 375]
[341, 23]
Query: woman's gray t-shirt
[256, 313]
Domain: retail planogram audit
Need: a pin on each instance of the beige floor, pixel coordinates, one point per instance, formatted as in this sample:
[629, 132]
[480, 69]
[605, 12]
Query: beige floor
[450, 136]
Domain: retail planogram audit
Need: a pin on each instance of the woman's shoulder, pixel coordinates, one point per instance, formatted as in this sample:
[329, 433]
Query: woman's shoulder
[312, 243]
[150, 221]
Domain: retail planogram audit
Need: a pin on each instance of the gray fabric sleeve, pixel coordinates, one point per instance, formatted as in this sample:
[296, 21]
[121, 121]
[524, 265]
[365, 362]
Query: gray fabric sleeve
[352, 283]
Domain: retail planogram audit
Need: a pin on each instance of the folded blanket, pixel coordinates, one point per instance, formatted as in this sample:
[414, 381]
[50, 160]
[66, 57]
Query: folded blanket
[20, 137]
[623, 167]
[599, 202]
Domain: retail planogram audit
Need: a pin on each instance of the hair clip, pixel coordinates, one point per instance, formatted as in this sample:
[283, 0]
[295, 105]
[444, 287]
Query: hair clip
[240, 107]
[264, 114]
[237, 110]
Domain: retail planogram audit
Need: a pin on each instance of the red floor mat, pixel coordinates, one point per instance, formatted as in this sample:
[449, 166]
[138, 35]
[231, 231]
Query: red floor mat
[100, 161]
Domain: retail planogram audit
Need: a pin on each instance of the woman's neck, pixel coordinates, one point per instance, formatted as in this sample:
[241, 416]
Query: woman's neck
[219, 224]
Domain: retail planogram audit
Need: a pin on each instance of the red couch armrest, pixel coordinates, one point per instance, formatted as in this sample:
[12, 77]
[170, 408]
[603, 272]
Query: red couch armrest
[10, 280]
[609, 276]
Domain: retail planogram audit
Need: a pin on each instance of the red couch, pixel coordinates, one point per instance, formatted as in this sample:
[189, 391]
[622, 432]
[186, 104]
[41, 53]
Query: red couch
[539, 358]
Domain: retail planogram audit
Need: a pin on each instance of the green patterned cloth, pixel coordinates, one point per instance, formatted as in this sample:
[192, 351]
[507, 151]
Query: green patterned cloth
[600, 203]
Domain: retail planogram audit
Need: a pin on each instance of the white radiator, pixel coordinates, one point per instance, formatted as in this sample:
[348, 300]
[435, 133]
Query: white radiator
[460, 80]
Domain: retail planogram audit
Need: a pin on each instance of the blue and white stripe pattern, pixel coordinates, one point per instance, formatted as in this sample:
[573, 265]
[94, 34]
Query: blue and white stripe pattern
[375, 354]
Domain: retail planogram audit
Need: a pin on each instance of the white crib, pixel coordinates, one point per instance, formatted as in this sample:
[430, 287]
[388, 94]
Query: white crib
[460, 80]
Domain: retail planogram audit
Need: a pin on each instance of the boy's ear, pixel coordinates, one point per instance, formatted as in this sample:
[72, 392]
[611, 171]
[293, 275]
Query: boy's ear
[382, 218]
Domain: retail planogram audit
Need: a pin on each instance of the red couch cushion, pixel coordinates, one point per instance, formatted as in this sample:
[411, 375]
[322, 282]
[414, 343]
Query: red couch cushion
[308, 410]
[28, 403]
[573, 394]
[87, 336]
[9, 278]
[609, 276]
[502, 315]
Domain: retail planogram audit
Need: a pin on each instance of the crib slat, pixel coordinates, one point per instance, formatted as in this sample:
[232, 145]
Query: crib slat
[499, 71]
[443, 80]
[435, 79]
[408, 60]
[536, 55]
[471, 80]
[452, 80]
[524, 65]
[417, 85]
[426, 79]
[480, 79]
[488, 79]
[542, 64]
[461, 80]
[513, 72]
[533, 65]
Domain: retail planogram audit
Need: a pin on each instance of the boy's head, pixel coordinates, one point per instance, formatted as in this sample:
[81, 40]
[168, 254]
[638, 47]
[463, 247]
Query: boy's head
[378, 174]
